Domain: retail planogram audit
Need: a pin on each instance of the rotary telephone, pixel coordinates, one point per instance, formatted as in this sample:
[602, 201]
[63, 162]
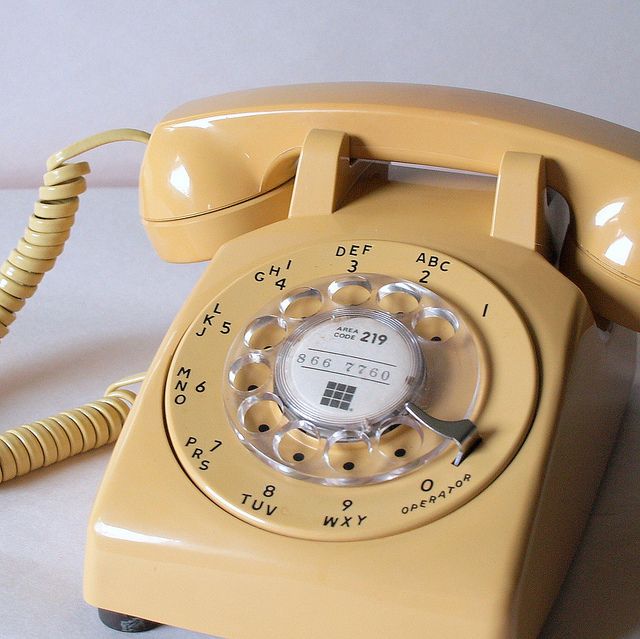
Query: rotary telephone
[385, 409]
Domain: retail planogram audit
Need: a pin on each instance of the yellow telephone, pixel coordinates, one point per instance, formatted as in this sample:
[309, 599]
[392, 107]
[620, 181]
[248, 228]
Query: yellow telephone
[386, 407]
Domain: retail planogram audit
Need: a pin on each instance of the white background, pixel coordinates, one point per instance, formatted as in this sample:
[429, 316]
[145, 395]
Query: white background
[69, 69]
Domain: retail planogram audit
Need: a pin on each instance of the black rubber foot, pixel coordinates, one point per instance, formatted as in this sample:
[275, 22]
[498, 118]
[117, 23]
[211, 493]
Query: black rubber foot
[125, 623]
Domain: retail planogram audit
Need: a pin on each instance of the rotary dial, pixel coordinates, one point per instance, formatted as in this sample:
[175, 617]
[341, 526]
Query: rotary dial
[323, 383]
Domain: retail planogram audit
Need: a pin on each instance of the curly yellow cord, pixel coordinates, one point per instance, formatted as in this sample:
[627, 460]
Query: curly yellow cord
[50, 224]
[50, 440]
[53, 439]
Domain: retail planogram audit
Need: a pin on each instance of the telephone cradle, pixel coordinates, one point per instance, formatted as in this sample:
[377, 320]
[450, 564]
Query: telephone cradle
[385, 408]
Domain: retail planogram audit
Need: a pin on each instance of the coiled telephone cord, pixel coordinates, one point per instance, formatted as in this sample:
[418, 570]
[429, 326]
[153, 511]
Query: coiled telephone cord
[68, 433]
[47, 441]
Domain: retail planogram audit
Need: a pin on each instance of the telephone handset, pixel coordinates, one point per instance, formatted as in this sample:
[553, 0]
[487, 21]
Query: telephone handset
[382, 390]
[253, 140]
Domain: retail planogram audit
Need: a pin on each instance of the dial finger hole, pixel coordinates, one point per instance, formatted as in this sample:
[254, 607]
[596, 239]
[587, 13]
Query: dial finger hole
[399, 297]
[249, 373]
[265, 332]
[301, 304]
[261, 414]
[400, 441]
[350, 291]
[348, 452]
[435, 324]
[297, 442]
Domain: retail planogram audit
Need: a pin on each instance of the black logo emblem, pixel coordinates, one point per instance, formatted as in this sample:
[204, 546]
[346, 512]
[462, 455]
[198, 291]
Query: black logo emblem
[338, 395]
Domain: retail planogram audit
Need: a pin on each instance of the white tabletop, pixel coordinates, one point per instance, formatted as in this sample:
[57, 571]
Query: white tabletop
[98, 316]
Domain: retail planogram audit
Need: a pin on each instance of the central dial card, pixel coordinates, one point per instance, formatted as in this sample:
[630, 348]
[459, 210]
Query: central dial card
[349, 367]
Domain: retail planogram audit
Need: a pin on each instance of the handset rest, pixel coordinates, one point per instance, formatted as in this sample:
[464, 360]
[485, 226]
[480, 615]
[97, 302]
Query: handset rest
[237, 153]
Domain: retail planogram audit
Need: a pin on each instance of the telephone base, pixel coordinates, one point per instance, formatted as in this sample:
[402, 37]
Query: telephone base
[125, 623]
[216, 541]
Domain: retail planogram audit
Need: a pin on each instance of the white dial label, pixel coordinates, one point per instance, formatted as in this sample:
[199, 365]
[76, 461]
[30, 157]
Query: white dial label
[349, 368]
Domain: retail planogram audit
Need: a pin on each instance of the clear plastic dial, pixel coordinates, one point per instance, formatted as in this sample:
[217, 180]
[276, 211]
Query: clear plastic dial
[317, 383]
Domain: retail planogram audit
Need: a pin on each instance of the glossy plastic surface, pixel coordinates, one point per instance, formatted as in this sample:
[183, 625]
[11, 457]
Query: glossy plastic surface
[489, 569]
[218, 152]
